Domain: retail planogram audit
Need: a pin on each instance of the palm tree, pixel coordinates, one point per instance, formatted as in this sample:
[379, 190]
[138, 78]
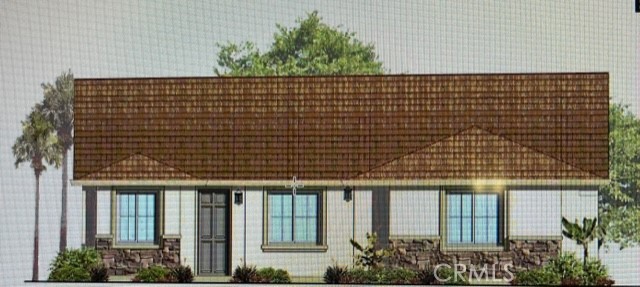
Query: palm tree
[58, 109]
[582, 235]
[37, 143]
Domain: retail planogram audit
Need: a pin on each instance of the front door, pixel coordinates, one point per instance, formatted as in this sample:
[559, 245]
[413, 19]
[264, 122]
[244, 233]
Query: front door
[213, 232]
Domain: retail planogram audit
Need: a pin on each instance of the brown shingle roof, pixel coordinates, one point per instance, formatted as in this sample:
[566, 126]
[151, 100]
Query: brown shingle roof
[511, 126]
[141, 167]
[475, 153]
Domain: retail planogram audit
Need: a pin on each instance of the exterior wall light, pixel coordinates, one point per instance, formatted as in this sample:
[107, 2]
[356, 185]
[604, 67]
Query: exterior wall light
[237, 197]
[348, 193]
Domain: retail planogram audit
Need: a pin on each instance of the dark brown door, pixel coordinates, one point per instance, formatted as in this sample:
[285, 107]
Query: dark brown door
[213, 232]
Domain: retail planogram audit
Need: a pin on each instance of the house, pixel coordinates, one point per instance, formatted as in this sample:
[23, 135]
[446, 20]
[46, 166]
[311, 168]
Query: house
[282, 171]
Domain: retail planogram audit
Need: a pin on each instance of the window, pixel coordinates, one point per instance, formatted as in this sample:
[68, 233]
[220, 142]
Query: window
[473, 218]
[136, 217]
[294, 219]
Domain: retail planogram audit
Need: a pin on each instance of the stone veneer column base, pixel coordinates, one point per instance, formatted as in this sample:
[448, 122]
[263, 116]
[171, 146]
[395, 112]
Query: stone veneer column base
[521, 254]
[125, 261]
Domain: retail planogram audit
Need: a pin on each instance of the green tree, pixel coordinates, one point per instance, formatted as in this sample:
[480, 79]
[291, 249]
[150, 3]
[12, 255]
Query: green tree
[619, 200]
[311, 48]
[58, 110]
[37, 143]
[582, 234]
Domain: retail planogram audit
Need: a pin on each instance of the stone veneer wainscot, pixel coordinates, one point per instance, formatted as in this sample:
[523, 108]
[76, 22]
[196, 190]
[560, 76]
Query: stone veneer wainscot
[125, 261]
[426, 253]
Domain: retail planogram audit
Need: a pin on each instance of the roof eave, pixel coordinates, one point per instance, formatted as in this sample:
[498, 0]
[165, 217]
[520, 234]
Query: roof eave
[357, 182]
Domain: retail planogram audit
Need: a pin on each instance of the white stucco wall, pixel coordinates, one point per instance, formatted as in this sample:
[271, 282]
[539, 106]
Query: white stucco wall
[414, 213]
[103, 211]
[172, 211]
[539, 213]
[187, 200]
[577, 204]
[339, 229]
[534, 212]
[238, 231]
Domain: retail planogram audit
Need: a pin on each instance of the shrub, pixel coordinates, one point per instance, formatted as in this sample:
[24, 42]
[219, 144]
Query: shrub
[182, 274]
[566, 270]
[395, 276]
[369, 256]
[386, 276]
[153, 274]
[594, 272]
[99, 274]
[360, 276]
[74, 265]
[605, 281]
[566, 266]
[335, 275]
[379, 276]
[428, 277]
[245, 274]
[270, 275]
[249, 274]
[70, 274]
[571, 281]
[447, 273]
[536, 277]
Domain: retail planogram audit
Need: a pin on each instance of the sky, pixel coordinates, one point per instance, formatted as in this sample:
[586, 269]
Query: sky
[41, 39]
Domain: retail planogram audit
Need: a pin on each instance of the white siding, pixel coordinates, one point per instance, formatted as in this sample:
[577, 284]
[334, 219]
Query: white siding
[172, 211]
[188, 226]
[534, 213]
[577, 204]
[103, 211]
[339, 214]
[414, 213]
